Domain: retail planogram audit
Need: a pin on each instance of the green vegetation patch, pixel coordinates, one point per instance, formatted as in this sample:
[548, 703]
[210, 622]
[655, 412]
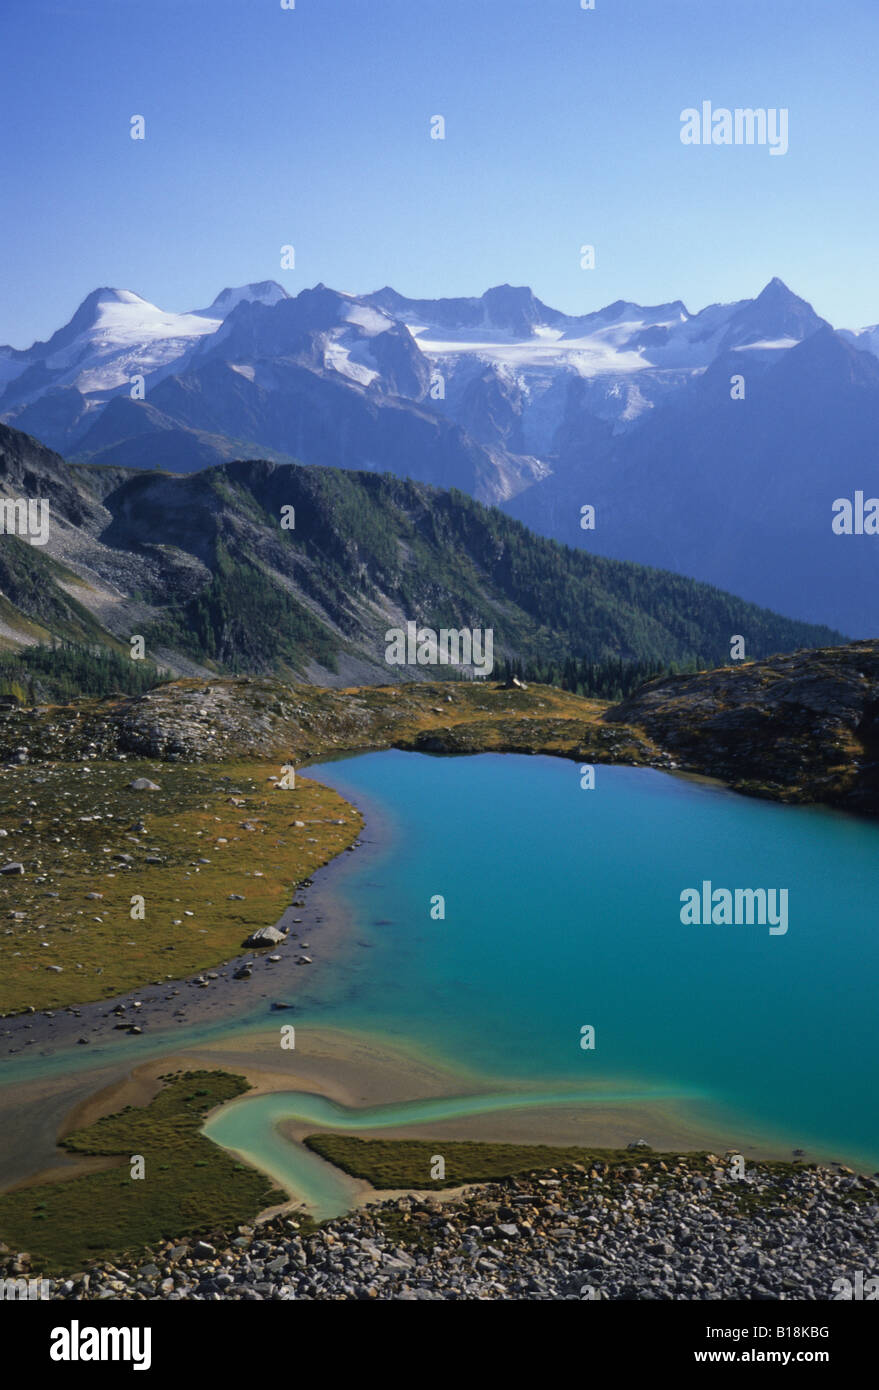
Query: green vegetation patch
[62, 671]
[33, 583]
[241, 615]
[214, 853]
[406, 1163]
[191, 1186]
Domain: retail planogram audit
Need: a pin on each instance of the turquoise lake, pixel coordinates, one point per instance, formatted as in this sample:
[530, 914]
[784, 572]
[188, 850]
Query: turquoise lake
[562, 909]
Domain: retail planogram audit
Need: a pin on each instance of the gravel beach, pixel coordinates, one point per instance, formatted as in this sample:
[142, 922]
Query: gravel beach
[683, 1230]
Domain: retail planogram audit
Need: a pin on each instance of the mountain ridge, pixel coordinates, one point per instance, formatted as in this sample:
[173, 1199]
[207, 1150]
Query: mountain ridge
[200, 565]
[626, 408]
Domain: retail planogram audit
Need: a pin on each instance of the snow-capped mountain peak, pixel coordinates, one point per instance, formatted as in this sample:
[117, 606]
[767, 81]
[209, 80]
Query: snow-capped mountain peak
[114, 336]
[260, 292]
[503, 363]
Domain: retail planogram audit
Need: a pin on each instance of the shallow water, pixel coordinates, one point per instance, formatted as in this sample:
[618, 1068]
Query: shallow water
[250, 1128]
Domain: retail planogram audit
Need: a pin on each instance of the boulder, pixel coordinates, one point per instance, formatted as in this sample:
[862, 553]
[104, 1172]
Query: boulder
[265, 936]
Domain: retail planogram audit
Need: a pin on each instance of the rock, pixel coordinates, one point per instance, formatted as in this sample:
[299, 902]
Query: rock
[794, 727]
[266, 936]
[632, 1240]
[13, 868]
[143, 784]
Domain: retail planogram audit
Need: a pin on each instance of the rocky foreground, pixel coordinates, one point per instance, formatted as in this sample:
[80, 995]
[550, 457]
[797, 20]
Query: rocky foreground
[802, 727]
[655, 1230]
[799, 728]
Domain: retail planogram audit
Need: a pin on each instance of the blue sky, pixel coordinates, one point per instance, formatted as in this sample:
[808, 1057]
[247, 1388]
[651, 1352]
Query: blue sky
[311, 127]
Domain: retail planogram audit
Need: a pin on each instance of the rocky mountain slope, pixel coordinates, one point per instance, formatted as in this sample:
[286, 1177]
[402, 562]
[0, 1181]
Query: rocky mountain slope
[803, 727]
[737, 491]
[254, 566]
[510, 369]
[629, 409]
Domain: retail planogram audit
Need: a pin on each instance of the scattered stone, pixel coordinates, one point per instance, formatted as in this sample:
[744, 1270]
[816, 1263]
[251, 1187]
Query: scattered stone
[265, 936]
[607, 1232]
